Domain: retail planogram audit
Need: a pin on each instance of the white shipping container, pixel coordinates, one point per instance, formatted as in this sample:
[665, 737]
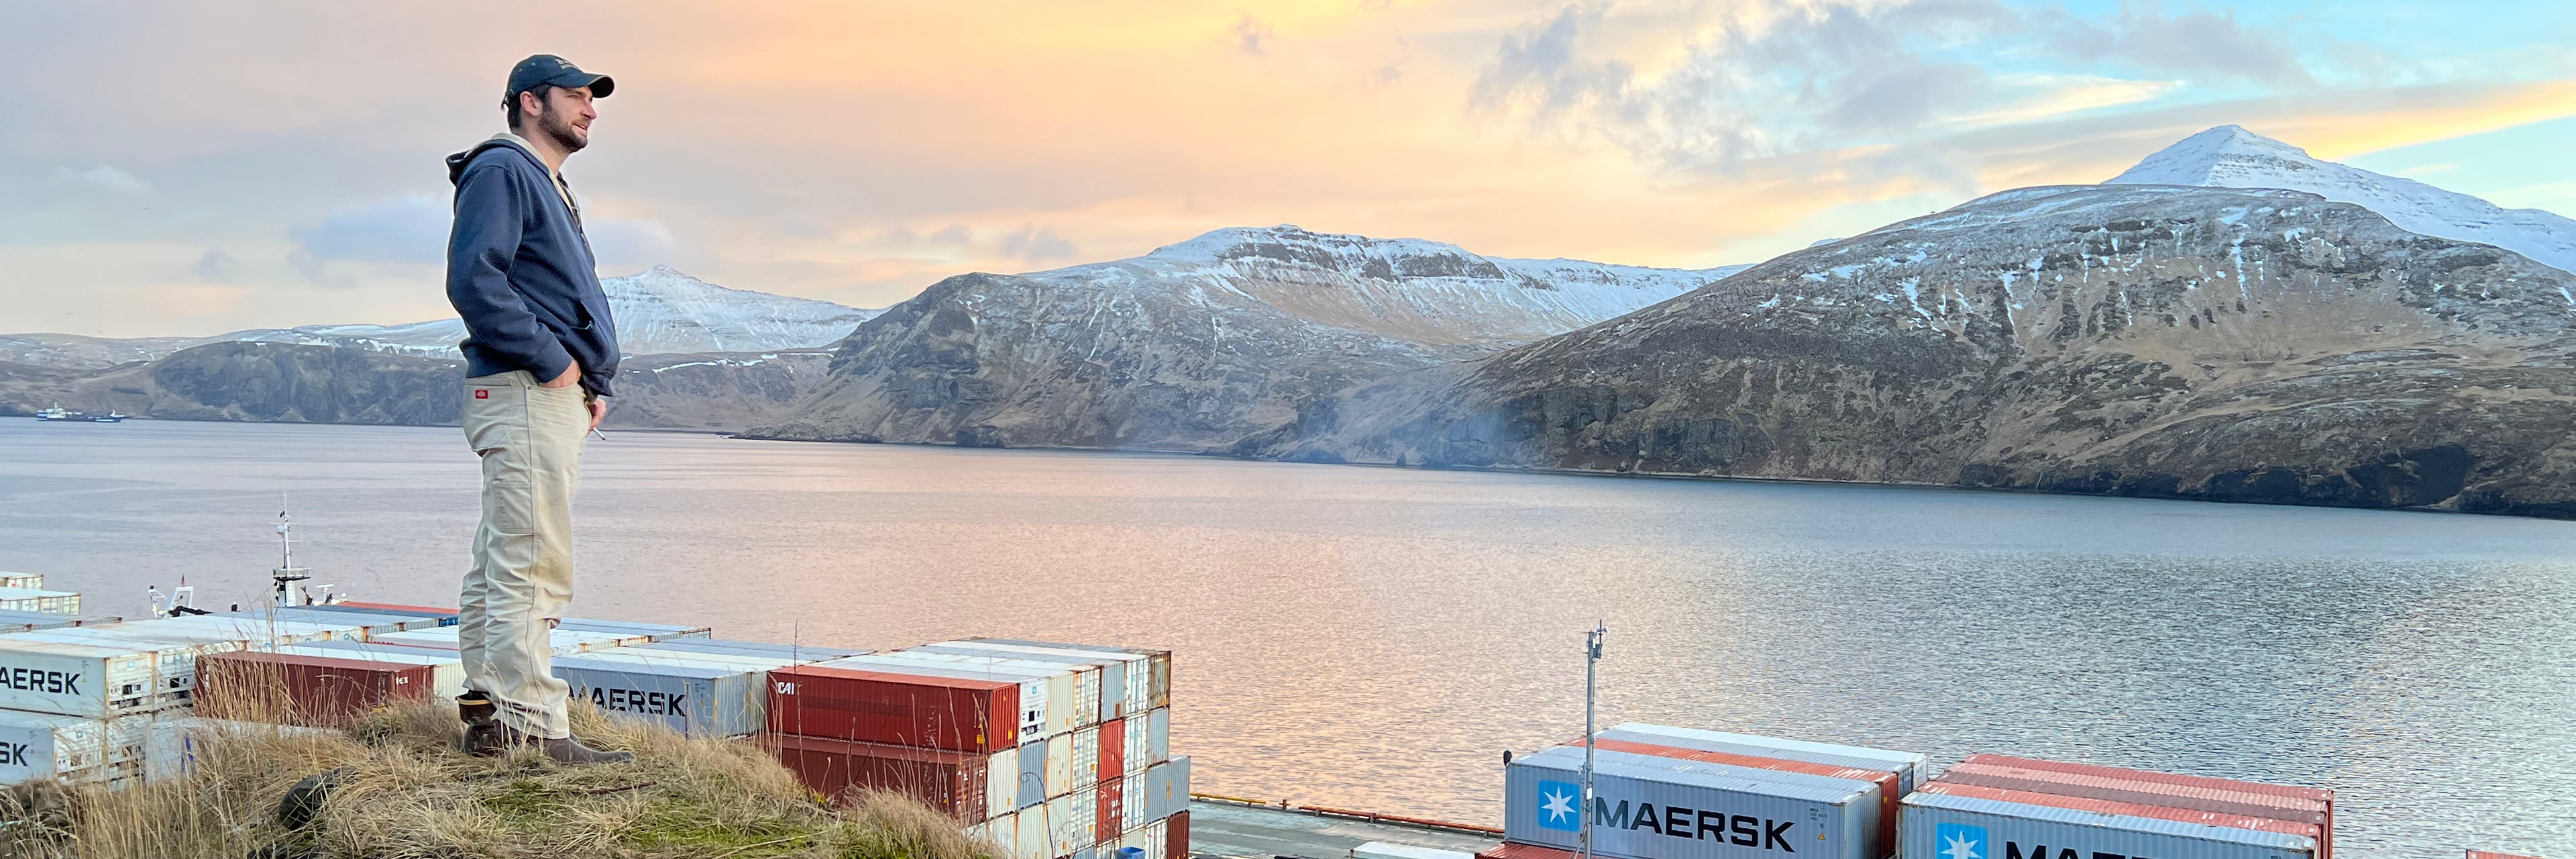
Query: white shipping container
[29, 581]
[1033, 840]
[1126, 679]
[1959, 827]
[249, 631]
[1872, 809]
[175, 649]
[76, 672]
[1158, 663]
[1065, 708]
[564, 640]
[1000, 830]
[1086, 757]
[1642, 812]
[1072, 822]
[1134, 757]
[73, 749]
[1158, 735]
[1059, 766]
[1046, 697]
[39, 600]
[1908, 766]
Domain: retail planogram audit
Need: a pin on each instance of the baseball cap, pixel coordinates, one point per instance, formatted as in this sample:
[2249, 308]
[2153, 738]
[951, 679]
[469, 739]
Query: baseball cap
[551, 69]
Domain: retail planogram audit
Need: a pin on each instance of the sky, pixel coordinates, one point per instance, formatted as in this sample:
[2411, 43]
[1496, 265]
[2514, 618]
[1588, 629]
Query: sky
[190, 168]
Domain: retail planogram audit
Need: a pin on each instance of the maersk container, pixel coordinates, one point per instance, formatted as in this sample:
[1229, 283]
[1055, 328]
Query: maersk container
[1075, 685]
[2130, 809]
[367, 624]
[39, 600]
[859, 702]
[74, 749]
[1158, 663]
[650, 631]
[1126, 679]
[695, 699]
[140, 672]
[790, 652]
[564, 640]
[1045, 700]
[1882, 783]
[446, 668]
[2204, 793]
[1908, 766]
[1661, 812]
[1962, 827]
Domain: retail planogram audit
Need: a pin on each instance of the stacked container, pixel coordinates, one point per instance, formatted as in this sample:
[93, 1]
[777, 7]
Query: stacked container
[1678, 793]
[39, 600]
[31, 581]
[30, 621]
[302, 689]
[1046, 749]
[699, 692]
[1997, 807]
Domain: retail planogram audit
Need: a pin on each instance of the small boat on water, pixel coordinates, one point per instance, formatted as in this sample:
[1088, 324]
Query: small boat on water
[56, 413]
[111, 417]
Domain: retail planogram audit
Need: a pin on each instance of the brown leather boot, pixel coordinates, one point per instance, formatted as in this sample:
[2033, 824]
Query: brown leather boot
[483, 736]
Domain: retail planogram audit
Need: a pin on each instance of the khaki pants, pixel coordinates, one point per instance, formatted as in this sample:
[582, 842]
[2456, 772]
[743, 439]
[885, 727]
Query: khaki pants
[530, 439]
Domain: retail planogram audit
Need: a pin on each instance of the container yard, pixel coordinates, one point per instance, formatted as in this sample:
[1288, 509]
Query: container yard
[1063, 751]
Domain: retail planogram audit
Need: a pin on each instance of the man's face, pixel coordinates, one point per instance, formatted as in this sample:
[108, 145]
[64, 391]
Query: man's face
[566, 117]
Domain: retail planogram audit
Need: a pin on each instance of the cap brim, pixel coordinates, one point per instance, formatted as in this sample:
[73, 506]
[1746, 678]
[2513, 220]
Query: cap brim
[600, 85]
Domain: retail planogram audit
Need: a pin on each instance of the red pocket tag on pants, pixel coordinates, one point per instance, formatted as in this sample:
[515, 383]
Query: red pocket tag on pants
[482, 394]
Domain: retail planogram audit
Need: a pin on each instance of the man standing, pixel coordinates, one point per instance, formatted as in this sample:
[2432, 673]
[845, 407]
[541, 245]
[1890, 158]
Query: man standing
[540, 352]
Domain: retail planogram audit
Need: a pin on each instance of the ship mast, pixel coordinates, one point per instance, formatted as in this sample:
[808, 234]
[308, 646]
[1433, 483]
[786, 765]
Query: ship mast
[286, 571]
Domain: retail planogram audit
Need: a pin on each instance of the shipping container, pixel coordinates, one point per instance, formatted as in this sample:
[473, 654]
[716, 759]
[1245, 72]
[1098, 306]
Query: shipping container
[1944, 825]
[1085, 762]
[1066, 685]
[28, 581]
[1110, 805]
[1030, 781]
[1034, 840]
[2489, 854]
[368, 624]
[564, 640]
[447, 669]
[1873, 812]
[255, 632]
[1883, 782]
[1118, 693]
[444, 617]
[1908, 766]
[790, 652]
[1664, 812]
[963, 785]
[74, 749]
[651, 632]
[1509, 850]
[1167, 789]
[1158, 664]
[82, 671]
[39, 600]
[171, 747]
[1043, 698]
[1070, 819]
[650, 656]
[301, 689]
[30, 621]
[1391, 850]
[1001, 831]
[693, 698]
[2130, 809]
[1176, 836]
[956, 713]
[1113, 750]
[2175, 790]
[1157, 738]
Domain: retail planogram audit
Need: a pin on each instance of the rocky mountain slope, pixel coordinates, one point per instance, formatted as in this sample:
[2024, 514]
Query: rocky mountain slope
[2249, 345]
[1197, 344]
[660, 311]
[2232, 157]
[245, 381]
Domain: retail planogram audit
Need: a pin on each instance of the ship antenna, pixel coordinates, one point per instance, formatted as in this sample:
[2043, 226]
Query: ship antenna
[286, 571]
[1591, 658]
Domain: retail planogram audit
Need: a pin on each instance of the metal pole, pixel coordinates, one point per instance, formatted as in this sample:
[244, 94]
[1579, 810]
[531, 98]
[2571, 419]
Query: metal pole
[1591, 658]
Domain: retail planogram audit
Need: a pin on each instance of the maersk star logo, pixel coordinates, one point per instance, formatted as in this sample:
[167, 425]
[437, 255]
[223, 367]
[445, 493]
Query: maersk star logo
[1956, 841]
[1558, 806]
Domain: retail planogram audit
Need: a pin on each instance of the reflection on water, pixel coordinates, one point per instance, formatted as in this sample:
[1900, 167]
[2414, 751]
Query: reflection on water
[1374, 638]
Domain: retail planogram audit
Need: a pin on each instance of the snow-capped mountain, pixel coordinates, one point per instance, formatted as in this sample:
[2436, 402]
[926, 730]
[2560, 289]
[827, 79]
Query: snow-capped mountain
[1197, 344]
[2232, 157]
[660, 311]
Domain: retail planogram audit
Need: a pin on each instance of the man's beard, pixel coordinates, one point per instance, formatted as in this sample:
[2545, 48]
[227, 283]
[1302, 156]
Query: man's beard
[556, 126]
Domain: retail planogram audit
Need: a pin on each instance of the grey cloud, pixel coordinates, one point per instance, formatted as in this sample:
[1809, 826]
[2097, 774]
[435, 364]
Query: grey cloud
[1252, 37]
[1037, 245]
[1840, 72]
[398, 230]
[215, 266]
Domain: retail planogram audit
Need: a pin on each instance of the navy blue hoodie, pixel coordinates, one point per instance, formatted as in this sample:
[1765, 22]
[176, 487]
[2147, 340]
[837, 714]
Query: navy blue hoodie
[519, 271]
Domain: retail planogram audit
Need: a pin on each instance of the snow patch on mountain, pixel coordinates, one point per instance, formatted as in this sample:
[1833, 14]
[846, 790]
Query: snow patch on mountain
[660, 311]
[2232, 157]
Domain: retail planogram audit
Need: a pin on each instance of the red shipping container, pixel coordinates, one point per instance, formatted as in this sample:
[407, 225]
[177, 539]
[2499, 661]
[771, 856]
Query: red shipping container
[2132, 809]
[293, 689]
[954, 713]
[1886, 781]
[1109, 803]
[1176, 836]
[1508, 850]
[2132, 790]
[2192, 787]
[2484, 854]
[953, 782]
[1113, 748]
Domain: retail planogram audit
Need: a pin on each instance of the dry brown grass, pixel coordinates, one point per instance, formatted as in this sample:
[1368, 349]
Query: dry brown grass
[409, 793]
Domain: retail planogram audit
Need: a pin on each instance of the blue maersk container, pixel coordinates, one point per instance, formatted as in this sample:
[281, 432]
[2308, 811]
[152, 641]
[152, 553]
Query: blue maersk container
[724, 696]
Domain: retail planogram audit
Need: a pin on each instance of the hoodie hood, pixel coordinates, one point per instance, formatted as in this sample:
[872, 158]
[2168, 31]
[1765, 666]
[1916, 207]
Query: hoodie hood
[456, 163]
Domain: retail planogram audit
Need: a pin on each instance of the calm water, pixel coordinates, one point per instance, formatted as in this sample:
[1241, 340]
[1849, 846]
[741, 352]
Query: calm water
[1374, 638]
